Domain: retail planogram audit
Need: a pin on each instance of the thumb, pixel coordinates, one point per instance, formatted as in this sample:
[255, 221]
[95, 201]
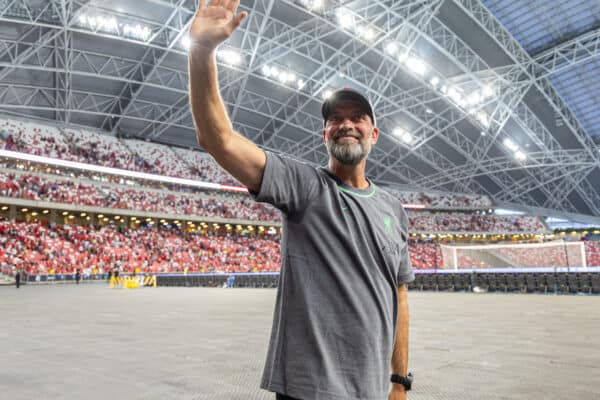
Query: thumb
[237, 20]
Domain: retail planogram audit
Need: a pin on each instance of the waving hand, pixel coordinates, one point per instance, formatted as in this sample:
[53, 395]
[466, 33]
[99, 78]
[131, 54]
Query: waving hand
[214, 23]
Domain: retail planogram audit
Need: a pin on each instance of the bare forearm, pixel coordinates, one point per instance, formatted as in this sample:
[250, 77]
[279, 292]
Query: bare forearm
[400, 354]
[213, 126]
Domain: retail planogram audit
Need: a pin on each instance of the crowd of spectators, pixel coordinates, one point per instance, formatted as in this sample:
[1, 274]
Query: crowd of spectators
[442, 201]
[60, 249]
[33, 187]
[592, 253]
[105, 150]
[551, 257]
[425, 255]
[39, 248]
[461, 222]
[142, 156]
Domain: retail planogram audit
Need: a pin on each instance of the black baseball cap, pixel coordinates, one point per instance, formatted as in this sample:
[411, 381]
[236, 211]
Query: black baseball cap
[346, 95]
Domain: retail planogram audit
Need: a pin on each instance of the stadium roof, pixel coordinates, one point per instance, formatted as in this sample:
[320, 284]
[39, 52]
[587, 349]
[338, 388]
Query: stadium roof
[495, 97]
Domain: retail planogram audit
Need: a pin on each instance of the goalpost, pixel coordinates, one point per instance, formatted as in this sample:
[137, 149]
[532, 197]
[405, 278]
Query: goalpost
[526, 255]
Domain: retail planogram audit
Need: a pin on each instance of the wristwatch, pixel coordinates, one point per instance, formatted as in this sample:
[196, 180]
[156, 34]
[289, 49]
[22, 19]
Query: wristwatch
[405, 381]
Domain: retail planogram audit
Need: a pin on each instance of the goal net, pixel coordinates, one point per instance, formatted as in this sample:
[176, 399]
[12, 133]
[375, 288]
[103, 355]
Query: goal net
[528, 255]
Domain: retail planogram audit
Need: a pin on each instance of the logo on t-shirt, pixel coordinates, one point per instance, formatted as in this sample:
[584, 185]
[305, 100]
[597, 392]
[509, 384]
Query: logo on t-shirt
[387, 221]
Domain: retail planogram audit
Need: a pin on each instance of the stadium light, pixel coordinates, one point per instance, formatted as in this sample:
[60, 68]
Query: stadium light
[229, 56]
[416, 65]
[391, 48]
[285, 77]
[398, 132]
[510, 144]
[434, 81]
[483, 118]
[519, 155]
[488, 91]
[345, 18]
[186, 42]
[327, 94]
[312, 5]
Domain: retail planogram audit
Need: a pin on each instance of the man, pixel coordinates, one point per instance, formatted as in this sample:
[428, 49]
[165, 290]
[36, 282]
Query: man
[345, 264]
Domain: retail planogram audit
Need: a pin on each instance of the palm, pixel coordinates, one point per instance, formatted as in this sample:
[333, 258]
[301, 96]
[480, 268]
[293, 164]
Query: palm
[215, 23]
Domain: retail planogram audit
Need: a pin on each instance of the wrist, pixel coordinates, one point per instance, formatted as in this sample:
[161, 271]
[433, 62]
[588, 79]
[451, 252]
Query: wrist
[396, 387]
[200, 52]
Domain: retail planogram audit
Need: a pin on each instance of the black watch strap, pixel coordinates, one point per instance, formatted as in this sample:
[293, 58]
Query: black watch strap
[405, 381]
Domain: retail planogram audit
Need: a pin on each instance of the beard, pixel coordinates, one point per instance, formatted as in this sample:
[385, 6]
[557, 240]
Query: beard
[350, 154]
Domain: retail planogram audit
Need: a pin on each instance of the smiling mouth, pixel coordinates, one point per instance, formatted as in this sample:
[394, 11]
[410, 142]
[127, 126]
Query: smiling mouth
[347, 137]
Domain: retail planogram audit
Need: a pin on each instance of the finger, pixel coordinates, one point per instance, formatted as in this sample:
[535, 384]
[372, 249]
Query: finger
[233, 5]
[215, 3]
[237, 20]
[201, 4]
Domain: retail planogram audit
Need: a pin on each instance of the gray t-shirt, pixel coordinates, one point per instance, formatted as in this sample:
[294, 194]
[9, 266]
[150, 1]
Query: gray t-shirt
[344, 254]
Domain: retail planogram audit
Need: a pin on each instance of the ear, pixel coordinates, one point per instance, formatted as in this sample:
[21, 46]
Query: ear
[324, 134]
[374, 135]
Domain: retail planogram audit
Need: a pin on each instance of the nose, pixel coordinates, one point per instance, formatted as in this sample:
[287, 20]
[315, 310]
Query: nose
[346, 123]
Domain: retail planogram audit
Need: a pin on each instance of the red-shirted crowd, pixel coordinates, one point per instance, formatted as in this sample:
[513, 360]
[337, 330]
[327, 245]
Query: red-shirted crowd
[40, 249]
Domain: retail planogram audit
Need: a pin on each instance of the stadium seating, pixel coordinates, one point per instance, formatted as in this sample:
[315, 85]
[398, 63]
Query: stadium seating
[42, 249]
[142, 156]
[592, 253]
[457, 222]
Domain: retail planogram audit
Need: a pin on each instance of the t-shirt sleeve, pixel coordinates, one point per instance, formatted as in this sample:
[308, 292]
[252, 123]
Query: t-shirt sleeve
[405, 271]
[287, 184]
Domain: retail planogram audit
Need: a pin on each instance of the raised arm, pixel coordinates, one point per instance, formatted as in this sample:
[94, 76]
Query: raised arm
[212, 25]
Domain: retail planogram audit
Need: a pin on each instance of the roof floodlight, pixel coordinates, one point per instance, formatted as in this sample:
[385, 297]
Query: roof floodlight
[231, 57]
[519, 155]
[482, 133]
[391, 48]
[488, 91]
[368, 34]
[429, 111]
[398, 132]
[483, 118]
[454, 94]
[345, 18]
[300, 83]
[474, 98]
[407, 138]
[82, 19]
[434, 81]
[291, 76]
[510, 144]
[416, 65]
[186, 42]
[266, 70]
[274, 72]
[327, 94]
[316, 5]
